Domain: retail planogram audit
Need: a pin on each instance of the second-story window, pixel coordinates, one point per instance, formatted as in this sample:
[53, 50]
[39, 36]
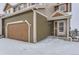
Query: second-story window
[25, 5]
[62, 7]
[56, 8]
[32, 3]
[21, 6]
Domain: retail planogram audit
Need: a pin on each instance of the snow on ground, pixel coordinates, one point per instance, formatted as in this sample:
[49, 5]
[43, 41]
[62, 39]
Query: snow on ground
[47, 46]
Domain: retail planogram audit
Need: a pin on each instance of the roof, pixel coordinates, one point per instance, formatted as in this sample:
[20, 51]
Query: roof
[59, 15]
[21, 11]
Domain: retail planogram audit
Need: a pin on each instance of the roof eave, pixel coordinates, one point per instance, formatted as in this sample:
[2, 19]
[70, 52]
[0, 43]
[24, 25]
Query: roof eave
[18, 12]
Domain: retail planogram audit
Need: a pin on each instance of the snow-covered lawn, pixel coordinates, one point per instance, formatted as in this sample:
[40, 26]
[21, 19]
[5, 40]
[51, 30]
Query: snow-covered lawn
[47, 46]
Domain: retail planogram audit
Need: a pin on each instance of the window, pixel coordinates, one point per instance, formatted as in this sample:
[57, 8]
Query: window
[32, 3]
[62, 7]
[56, 8]
[61, 26]
[25, 5]
[22, 6]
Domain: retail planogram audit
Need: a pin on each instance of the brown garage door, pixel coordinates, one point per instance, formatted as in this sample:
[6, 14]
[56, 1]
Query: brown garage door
[18, 31]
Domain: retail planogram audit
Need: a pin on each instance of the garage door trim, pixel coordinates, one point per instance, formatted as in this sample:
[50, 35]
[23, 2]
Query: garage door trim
[29, 25]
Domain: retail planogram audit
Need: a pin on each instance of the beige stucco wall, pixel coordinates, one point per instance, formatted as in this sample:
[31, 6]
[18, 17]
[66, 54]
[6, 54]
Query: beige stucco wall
[23, 16]
[42, 27]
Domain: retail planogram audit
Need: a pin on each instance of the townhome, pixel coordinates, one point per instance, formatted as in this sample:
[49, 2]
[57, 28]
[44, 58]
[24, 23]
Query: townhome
[33, 22]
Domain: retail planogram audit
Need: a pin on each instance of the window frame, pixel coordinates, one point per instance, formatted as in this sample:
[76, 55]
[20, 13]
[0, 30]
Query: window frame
[62, 7]
[61, 27]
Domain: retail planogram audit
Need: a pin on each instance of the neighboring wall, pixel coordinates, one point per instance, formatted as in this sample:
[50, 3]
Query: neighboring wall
[23, 16]
[42, 27]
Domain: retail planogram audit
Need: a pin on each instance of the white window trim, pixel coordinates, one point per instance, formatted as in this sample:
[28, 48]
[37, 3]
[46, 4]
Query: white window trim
[29, 25]
[62, 33]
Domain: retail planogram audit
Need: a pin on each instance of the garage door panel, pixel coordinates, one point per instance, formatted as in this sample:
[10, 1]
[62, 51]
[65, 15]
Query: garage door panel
[18, 31]
[22, 33]
[11, 31]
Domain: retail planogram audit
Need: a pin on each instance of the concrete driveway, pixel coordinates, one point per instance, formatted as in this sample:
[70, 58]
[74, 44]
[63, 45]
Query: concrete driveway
[47, 46]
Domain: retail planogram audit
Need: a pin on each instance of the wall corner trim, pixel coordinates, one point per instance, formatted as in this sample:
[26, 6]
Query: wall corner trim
[34, 27]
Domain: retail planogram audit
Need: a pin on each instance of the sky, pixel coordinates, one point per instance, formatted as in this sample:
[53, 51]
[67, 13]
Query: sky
[1, 7]
[75, 15]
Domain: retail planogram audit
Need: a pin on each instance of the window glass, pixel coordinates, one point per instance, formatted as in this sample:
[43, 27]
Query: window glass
[56, 8]
[25, 5]
[61, 26]
[62, 7]
[21, 6]
[32, 3]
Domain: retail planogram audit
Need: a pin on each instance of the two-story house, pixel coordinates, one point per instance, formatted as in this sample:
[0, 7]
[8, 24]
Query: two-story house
[34, 21]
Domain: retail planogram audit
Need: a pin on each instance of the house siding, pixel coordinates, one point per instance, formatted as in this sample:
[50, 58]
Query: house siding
[23, 16]
[42, 27]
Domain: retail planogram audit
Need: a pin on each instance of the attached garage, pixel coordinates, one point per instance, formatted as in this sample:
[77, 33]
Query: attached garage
[29, 26]
[19, 26]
